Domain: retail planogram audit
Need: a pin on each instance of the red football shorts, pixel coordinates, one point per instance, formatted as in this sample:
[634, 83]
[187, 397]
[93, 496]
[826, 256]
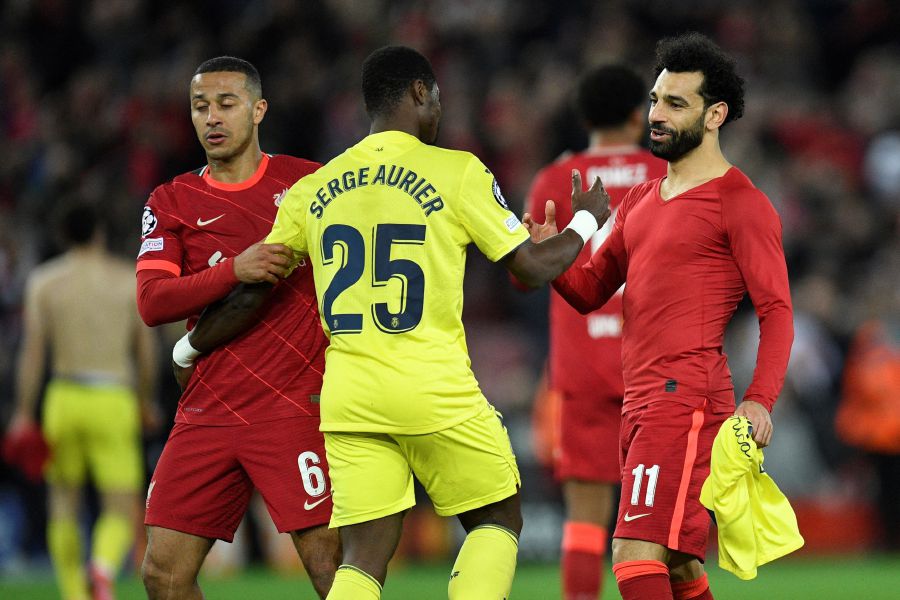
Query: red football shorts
[205, 477]
[665, 449]
[589, 438]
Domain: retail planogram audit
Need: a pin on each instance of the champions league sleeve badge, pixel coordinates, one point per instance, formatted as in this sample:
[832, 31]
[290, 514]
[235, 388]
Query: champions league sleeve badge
[148, 221]
[498, 195]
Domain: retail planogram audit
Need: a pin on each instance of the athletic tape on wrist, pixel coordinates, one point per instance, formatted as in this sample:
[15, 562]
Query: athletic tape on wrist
[584, 224]
[183, 353]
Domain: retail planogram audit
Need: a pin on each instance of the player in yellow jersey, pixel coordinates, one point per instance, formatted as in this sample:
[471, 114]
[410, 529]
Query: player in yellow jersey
[385, 226]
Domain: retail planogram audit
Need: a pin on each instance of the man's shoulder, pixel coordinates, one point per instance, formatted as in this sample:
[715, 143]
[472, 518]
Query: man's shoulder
[286, 166]
[169, 189]
[736, 186]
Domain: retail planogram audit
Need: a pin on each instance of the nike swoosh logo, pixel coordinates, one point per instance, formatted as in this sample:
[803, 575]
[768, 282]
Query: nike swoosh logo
[202, 223]
[307, 505]
[629, 518]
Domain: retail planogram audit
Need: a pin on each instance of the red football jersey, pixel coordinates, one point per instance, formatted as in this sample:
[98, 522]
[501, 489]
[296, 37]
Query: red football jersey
[274, 370]
[586, 350]
[688, 262]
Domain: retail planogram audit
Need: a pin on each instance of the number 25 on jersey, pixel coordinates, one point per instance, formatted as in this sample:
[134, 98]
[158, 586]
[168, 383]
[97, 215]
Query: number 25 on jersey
[412, 280]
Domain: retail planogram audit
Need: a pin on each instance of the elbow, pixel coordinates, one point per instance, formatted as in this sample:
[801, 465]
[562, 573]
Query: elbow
[147, 316]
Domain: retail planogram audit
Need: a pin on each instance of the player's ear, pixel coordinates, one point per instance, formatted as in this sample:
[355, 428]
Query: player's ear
[715, 115]
[420, 92]
[259, 110]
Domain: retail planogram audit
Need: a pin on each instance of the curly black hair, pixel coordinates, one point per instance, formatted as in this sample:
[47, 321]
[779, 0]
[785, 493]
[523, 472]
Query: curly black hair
[607, 95]
[695, 52]
[388, 72]
[231, 64]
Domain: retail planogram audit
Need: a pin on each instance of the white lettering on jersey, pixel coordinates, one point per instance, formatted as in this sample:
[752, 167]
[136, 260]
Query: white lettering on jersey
[151, 245]
[604, 326]
[149, 492]
[279, 196]
[624, 176]
[215, 258]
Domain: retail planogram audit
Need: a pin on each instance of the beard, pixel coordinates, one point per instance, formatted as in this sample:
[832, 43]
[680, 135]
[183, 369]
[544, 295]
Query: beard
[680, 142]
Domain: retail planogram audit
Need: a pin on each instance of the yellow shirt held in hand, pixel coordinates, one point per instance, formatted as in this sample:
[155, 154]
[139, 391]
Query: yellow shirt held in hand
[755, 520]
[386, 226]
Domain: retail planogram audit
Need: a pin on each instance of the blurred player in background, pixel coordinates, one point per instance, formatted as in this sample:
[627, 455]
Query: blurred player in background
[585, 362]
[689, 245]
[81, 308]
[386, 226]
[249, 415]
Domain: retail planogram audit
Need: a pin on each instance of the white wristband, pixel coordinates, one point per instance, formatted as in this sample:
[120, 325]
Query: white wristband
[584, 224]
[183, 353]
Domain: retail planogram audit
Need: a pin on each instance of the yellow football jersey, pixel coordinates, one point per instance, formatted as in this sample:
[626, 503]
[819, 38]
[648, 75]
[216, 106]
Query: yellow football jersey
[386, 225]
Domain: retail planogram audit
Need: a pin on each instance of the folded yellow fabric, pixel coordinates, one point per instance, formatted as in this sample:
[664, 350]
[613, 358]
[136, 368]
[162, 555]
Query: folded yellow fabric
[755, 520]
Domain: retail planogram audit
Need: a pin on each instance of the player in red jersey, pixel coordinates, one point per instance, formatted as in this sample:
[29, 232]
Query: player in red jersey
[689, 245]
[585, 362]
[249, 414]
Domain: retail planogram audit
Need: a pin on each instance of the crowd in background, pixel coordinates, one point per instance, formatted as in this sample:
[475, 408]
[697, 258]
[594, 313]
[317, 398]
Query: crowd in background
[93, 102]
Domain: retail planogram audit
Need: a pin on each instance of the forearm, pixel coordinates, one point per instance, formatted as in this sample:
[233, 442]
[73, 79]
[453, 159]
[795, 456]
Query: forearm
[147, 364]
[29, 376]
[536, 264]
[165, 298]
[776, 334]
[225, 320]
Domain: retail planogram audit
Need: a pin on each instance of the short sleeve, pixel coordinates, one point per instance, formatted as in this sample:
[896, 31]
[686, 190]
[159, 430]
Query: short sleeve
[485, 214]
[290, 222]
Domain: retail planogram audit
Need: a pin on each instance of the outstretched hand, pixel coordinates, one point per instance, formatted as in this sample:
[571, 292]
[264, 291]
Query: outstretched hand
[263, 263]
[595, 200]
[541, 231]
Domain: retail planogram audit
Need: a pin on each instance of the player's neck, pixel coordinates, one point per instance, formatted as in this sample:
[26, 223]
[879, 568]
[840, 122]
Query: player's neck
[237, 168]
[603, 139]
[95, 247]
[704, 163]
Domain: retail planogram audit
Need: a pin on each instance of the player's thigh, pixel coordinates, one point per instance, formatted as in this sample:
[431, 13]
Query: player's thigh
[63, 416]
[198, 486]
[114, 441]
[666, 449]
[174, 554]
[370, 477]
[466, 466]
[285, 459]
[589, 437]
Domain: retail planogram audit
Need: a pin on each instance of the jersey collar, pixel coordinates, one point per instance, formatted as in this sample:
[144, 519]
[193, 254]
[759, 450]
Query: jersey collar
[241, 185]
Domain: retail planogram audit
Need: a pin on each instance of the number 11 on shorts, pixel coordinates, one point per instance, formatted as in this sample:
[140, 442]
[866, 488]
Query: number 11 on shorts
[652, 476]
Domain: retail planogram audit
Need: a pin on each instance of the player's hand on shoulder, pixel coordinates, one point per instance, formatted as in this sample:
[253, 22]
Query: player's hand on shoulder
[595, 200]
[263, 262]
[760, 419]
[541, 231]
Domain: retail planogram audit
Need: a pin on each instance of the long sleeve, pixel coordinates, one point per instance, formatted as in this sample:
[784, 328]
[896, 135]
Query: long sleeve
[164, 297]
[588, 286]
[754, 231]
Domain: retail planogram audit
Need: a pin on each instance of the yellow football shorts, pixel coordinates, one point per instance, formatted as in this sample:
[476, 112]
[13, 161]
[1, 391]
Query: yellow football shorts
[95, 429]
[467, 466]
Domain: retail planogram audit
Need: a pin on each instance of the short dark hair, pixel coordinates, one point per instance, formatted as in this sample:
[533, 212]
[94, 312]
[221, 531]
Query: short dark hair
[77, 222]
[388, 72]
[692, 52]
[607, 95]
[232, 64]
